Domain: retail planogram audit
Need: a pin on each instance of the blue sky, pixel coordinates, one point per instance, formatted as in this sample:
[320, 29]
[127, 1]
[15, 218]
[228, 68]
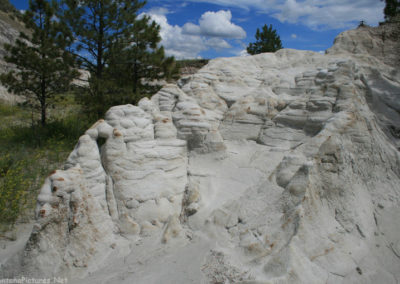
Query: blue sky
[223, 28]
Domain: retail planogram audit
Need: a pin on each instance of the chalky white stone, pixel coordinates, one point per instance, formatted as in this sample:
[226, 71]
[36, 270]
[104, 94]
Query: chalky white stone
[274, 168]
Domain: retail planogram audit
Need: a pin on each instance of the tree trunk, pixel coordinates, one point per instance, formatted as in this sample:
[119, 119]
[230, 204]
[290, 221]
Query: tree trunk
[135, 77]
[43, 119]
[99, 71]
[100, 44]
[43, 102]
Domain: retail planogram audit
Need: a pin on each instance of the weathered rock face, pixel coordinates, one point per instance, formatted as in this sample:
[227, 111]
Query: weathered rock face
[275, 168]
[371, 47]
[10, 28]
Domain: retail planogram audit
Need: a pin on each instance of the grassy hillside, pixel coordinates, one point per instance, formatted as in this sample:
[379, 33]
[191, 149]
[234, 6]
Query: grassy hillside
[29, 153]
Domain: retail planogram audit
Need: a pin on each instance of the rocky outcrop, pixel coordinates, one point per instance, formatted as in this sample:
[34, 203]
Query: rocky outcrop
[10, 28]
[371, 47]
[275, 168]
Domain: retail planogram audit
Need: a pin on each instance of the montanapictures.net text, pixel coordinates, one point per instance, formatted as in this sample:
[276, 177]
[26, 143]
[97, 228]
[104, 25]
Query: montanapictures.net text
[26, 280]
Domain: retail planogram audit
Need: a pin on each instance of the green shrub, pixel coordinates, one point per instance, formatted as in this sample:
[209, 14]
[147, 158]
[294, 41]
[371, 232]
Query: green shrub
[7, 110]
[13, 190]
[28, 154]
[67, 129]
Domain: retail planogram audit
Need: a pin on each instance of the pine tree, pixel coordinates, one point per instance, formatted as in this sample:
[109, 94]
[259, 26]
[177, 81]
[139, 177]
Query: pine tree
[139, 63]
[114, 44]
[44, 68]
[392, 8]
[267, 40]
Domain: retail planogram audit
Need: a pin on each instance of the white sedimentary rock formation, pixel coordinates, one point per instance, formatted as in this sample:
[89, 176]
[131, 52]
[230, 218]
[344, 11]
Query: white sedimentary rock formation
[275, 168]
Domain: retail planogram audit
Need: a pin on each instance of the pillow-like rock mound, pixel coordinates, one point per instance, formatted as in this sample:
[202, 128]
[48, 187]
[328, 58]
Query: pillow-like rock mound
[274, 168]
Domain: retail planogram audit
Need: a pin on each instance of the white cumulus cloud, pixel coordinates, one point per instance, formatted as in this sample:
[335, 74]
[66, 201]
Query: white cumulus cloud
[159, 11]
[188, 41]
[315, 14]
[191, 29]
[243, 4]
[215, 24]
[329, 14]
[218, 43]
[243, 53]
[175, 42]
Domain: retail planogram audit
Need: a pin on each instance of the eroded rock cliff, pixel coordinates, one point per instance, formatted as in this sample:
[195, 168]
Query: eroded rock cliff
[275, 168]
[10, 28]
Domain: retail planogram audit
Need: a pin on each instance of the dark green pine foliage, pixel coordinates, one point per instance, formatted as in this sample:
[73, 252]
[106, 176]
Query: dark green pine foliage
[392, 8]
[43, 68]
[138, 63]
[96, 26]
[267, 40]
[117, 47]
